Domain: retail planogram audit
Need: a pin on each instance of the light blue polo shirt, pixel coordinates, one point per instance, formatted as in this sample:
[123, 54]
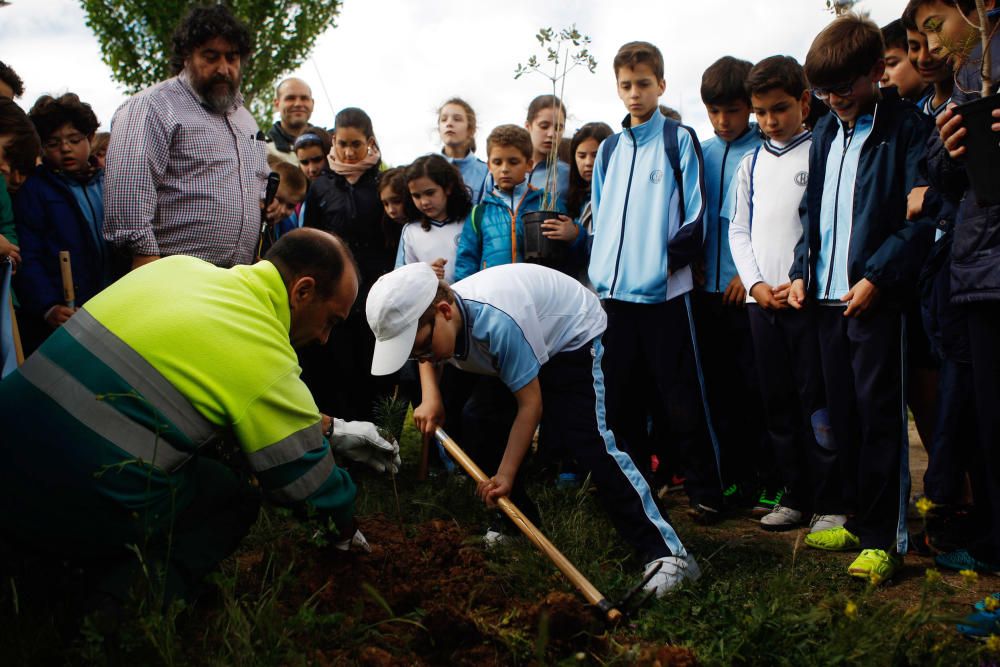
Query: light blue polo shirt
[836, 217]
[516, 317]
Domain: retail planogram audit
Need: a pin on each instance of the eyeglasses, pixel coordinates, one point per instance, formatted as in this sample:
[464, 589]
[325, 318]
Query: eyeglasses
[426, 353]
[845, 90]
[55, 143]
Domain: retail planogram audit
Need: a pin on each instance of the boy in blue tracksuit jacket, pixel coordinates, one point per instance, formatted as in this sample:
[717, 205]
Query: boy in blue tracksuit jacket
[720, 314]
[640, 267]
[494, 231]
[859, 259]
[60, 207]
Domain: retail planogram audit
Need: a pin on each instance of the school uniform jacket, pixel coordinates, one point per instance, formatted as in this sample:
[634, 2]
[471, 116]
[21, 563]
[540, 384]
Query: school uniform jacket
[722, 158]
[882, 246]
[642, 248]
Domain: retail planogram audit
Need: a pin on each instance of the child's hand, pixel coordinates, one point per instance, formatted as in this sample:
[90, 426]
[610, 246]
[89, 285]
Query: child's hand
[952, 132]
[735, 294]
[780, 293]
[860, 298]
[996, 126]
[797, 294]
[56, 316]
[560, 229]
[428, 415]
[495, 487]
[8, 249]
[915, 202]
[763, 294]
[438, 266]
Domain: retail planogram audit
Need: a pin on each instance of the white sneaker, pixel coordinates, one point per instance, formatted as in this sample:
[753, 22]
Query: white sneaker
[824, 521]
[673, 572]
[781, 518]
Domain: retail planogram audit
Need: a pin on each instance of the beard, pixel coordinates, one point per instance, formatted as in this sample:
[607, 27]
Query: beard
[218, 92]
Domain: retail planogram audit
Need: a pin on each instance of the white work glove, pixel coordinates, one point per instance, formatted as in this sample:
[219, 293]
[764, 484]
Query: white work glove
[360, 441]
[356, 541]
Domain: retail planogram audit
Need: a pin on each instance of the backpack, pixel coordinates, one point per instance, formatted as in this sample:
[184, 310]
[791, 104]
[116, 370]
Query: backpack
[669, 145]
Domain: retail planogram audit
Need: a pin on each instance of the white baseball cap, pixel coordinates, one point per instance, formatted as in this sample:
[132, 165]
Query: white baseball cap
[395, 303]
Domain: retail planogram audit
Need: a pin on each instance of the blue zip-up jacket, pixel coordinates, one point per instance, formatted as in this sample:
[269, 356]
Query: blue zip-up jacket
[722, 159]
[54, 212]
[499, 237]
[883, 246]
[474, 174]
[642, 249]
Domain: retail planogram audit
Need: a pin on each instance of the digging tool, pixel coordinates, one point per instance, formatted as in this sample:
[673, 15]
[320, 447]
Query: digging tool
[66, 269]
[594, 596]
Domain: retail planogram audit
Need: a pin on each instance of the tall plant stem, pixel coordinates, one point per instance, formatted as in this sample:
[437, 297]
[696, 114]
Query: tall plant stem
[986, 35]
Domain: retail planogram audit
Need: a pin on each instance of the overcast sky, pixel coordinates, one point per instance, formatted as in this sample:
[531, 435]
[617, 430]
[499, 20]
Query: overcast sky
[399, 59]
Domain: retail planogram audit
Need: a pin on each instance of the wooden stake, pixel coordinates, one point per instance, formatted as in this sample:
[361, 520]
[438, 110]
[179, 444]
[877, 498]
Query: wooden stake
[66, 268]
[594, 596]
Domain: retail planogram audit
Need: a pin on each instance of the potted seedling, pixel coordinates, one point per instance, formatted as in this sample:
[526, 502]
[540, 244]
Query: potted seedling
[565, 50]
[982, 145]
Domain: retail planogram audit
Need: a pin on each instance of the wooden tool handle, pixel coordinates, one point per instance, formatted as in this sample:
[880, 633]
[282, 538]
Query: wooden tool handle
[589, 591]
[66, 268]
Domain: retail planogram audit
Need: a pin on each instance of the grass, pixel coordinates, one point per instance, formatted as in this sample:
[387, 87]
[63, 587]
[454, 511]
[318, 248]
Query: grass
[761, 601]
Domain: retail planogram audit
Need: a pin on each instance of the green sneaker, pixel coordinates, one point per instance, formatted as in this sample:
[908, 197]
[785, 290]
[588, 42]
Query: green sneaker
[833, 539]
[875, 565]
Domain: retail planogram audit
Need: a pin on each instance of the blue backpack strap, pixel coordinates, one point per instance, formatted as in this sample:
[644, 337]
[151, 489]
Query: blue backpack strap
[674, 155]
[753, 168]
[607, 148]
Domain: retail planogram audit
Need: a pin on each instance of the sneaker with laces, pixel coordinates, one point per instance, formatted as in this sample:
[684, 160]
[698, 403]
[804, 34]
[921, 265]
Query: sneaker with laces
[963, 560]
[825, 521]
[875, 565]
[833, 539]
[767, 501]
[781, 518]
[980, 624]
[673, 571]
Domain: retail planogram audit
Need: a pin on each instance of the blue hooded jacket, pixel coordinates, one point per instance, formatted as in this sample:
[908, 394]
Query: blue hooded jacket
[883, 246]
[498, 237]
[54, 212]
[722, 159]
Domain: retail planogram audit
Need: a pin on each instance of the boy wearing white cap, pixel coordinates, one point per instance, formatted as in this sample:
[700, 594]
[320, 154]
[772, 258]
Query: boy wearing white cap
[539, 332]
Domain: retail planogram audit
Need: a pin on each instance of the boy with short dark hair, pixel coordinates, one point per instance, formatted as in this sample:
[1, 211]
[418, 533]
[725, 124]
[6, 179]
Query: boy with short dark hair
[858, 259]
[648, 206]
[494, 231]
[61, 207]
[292, 189]
[767, 223]
[720, 315]
[899, 71]
[541, 333]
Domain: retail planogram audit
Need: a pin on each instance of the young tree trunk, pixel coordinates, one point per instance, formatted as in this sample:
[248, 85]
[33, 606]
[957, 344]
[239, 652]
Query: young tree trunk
[985, 34]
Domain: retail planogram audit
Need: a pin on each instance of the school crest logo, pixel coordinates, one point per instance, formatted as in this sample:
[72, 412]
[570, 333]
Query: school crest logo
[656, 176]
[802, 178]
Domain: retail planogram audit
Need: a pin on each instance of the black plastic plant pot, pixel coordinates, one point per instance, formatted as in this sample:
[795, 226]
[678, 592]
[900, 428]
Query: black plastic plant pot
[982, 148]
[538, 248]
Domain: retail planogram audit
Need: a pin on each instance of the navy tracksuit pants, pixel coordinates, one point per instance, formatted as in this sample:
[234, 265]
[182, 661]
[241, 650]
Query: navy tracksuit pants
[573, 405]
[863, 371]
[726, 352]
[786, 349]
[650, 348]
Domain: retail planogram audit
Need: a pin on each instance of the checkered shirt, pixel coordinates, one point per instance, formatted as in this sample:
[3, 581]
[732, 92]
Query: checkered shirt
[182, 180]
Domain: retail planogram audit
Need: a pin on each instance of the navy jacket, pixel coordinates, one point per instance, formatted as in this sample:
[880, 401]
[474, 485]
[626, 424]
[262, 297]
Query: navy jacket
[975, 250]
[884, 247]
[49, 219]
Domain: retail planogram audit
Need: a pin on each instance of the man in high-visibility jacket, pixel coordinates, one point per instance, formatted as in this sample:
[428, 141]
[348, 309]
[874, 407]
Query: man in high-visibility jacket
[102, 426]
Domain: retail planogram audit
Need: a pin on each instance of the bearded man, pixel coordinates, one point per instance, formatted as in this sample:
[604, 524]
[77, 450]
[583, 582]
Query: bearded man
[186, 165]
